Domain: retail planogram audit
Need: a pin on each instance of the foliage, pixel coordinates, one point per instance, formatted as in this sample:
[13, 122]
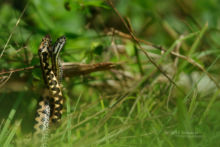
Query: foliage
[133, 104]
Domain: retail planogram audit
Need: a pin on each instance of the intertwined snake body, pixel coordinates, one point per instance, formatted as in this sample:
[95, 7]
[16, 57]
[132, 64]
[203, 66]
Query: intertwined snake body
[50, 108]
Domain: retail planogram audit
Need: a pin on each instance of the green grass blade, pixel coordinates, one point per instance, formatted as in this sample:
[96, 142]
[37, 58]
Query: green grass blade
[11, 115]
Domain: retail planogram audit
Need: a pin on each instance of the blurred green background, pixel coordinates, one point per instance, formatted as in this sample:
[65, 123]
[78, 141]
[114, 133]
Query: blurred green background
[132, 104]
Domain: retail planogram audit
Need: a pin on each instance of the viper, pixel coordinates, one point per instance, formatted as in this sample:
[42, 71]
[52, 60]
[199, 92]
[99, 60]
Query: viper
[51, 104]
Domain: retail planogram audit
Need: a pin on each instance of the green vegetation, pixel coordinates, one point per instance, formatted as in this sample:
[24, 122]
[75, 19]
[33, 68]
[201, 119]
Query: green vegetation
[163, 91]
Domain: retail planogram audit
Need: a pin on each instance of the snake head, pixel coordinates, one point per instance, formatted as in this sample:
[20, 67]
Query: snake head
[62, 39]
[45, 43]
[58, 45]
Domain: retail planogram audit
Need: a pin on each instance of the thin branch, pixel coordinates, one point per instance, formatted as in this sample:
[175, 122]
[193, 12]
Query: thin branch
[190, 60]
[139, 45]
[5, 81]
[19, 69]
[18, 21]
[71, 69]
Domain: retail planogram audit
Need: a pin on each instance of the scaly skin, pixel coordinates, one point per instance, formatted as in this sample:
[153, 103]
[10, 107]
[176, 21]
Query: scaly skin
[51, 79]
[42, 117]
[55, 51]
[50, 107]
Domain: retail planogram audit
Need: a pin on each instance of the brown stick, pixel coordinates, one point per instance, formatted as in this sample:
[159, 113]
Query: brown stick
[134, 38]
[71, 69]
[188, 59]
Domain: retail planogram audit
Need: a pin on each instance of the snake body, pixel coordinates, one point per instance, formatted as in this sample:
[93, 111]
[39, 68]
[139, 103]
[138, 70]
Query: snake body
[42, 117]
[56, 65]
[50, 108]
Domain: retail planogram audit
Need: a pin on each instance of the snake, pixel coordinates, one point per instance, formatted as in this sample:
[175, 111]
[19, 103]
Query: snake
[51, 104]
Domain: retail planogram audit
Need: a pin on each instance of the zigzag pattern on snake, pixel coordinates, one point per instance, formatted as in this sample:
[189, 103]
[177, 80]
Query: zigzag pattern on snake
[50, 108]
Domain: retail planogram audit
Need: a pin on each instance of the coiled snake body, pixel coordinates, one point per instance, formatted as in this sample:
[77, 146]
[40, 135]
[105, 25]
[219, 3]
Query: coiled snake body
[50, 108]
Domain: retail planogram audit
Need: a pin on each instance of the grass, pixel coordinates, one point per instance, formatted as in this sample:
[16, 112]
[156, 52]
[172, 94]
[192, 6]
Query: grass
[163, 91]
